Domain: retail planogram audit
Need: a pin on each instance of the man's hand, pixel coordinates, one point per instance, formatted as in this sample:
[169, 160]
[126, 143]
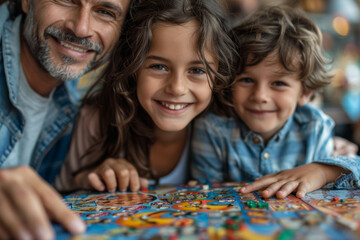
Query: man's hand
[344, 147]
[302, 179]
[27, 204]
[112, 174]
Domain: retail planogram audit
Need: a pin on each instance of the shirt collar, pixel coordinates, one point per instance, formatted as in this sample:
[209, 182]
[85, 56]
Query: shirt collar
[11, 48]
[248, 135]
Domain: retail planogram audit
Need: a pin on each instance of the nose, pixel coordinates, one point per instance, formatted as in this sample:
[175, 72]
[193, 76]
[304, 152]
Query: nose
[260, 94]
[176, 84]
[80, 22]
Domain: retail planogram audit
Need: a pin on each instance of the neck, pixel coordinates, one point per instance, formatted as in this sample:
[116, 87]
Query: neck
[165, 138]
[166, 152]
[39, 80]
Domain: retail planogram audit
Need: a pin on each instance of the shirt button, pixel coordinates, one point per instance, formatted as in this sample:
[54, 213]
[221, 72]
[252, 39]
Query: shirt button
[256, 140]
[266, 155]
[67, 111]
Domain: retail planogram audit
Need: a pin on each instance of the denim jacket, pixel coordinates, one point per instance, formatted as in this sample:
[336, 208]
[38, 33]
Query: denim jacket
[53, 142]
[225, 149]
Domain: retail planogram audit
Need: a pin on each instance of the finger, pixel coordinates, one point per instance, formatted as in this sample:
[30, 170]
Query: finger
[144, 183]
[5, 235]
[123, 176]
[32, 214]
[260, 183]
[96, 182]
[109, 177]
[354, 148]
[351, 150]
[59, 212]
[344, 147]
[271, 189]
[267, 176]
[10, 223]
[344, 151]
[134, 180]
[286, 189]
[340, 152]
[302, 190]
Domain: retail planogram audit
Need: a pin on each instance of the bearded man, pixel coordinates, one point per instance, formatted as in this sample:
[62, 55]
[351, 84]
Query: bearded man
[44, 49]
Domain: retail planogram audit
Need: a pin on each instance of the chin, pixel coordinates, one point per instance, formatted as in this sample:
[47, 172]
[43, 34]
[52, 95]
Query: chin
[172, 128]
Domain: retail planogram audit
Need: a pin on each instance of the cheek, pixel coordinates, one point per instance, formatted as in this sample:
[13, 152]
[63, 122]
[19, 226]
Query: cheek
[205, 95]
[140, 94]
[109, 35]
[145, 90]
[287, 105]
[238, 96]
[109, 41]
[50, 15]
[287, 100]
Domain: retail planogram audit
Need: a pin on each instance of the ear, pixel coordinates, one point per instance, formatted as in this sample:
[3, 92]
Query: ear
[25, 5]
[305, 97]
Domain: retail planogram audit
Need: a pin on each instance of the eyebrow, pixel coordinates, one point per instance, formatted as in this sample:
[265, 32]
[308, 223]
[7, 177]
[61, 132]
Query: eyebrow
[152, 57]
[274, 72]
[281, 73]
[166, 60]
[112, 6]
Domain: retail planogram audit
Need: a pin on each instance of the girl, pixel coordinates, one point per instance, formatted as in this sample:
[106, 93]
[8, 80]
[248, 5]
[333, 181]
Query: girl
[172, 56]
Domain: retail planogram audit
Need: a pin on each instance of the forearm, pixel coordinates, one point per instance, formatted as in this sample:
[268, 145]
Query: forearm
[332, 172]
[349, 170]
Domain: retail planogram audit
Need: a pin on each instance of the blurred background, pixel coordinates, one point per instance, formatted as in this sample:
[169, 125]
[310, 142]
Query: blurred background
[339, 21]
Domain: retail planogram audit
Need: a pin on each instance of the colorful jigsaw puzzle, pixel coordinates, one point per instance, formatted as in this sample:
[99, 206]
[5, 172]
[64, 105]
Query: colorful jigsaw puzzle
[218, 211]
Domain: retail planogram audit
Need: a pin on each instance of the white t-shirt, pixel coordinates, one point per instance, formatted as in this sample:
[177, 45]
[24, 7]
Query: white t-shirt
[34, 109]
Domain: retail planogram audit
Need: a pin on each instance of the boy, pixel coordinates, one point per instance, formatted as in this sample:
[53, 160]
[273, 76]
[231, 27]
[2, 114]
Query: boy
[272, 131]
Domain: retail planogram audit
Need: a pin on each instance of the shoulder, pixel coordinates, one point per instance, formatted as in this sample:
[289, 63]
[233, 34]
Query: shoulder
[312, 116]
[4, 17]
[90, 113]
[4, 13]
[214, 121]
[89, 119]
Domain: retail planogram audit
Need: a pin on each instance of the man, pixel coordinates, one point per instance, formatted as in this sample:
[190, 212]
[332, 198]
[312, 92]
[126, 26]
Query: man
[43, 52]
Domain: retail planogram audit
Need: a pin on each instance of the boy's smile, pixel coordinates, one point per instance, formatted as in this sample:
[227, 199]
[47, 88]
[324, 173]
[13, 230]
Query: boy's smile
[266, 95]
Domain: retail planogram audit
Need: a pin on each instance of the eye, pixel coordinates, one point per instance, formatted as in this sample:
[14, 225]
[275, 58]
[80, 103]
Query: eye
[158, 67]
[245, 80]
[106, 13]
[279, 83]
[197, 71]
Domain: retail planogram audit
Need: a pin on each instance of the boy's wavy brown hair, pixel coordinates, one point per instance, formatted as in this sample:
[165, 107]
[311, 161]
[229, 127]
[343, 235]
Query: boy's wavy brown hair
[290, 34]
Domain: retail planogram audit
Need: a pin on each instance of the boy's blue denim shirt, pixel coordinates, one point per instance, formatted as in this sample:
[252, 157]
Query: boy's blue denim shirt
[53, 142]
[225, 149]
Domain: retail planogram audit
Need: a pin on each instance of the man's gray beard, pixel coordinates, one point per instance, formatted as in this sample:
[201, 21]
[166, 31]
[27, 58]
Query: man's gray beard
[41, 52]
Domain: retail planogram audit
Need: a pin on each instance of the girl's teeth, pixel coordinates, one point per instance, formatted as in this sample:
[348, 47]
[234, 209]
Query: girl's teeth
[174, 106]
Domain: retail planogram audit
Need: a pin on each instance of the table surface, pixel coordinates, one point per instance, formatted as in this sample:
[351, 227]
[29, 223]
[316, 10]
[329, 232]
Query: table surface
[215, 211]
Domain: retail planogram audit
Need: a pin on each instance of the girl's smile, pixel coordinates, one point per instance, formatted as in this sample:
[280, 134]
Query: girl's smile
[173, 85]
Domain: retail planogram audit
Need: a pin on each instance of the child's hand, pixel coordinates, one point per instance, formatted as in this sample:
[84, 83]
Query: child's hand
[344, 147]
[112, 174]
[302, 179]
